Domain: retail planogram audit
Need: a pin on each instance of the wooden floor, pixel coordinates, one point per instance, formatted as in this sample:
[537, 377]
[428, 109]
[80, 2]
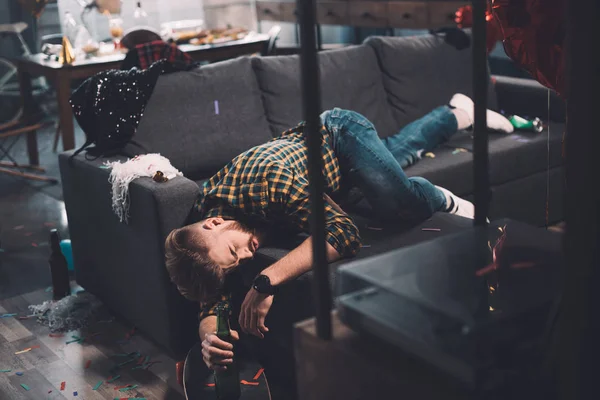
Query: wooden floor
[43, 368]
[28, 210]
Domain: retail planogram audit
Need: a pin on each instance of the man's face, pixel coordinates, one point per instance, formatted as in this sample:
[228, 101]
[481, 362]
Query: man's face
[229, 242]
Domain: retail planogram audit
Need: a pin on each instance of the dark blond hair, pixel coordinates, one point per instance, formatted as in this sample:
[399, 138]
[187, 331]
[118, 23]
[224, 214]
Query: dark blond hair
[196, 276]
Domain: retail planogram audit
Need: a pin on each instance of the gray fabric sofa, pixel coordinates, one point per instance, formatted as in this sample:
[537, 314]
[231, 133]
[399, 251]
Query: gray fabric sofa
[392, 81]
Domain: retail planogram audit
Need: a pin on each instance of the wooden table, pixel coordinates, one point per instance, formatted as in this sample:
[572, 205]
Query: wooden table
[62, 75]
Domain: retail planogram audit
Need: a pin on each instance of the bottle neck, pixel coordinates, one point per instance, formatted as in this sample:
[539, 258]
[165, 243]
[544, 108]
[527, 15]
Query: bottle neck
[222, 323]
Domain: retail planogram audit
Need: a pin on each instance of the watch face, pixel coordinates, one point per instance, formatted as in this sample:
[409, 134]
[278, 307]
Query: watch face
[262, 284]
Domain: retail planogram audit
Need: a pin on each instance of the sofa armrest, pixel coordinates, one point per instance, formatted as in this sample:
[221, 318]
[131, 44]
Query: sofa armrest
[123, 263]
[526, 97]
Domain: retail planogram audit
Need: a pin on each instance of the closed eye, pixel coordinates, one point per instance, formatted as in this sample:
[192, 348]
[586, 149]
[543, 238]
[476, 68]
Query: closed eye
[234, 254]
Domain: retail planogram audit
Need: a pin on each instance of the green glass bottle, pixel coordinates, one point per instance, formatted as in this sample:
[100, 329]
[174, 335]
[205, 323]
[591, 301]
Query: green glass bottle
[534, 125]
[227, 383]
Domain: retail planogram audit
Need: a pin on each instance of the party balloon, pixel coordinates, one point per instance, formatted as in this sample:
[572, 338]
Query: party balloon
[35, 7]
[464, 19]
[533, 33]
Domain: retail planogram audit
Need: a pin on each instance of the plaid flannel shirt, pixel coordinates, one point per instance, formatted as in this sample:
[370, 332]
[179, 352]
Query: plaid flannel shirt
[270, 182]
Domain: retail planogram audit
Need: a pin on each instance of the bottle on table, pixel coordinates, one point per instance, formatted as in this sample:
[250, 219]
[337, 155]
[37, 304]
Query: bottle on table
[59, 269]
[140, 17]
[227, 383]
[70, 27]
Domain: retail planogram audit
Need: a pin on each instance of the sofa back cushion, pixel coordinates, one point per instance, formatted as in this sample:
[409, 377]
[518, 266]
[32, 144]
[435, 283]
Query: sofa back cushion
[350, 79]
[202, 118]
[423, 72]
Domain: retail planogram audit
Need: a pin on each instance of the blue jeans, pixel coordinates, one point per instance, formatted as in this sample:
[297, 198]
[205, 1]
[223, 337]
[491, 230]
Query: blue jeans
[375, 165]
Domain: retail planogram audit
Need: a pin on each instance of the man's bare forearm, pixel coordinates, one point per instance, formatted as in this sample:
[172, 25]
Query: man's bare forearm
[207, 325]
[297, 262]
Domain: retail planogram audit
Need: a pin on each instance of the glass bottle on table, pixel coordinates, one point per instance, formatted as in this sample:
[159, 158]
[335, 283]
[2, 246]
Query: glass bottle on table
[70, 27]
[227, 383]
[115, 26]
[140, 17]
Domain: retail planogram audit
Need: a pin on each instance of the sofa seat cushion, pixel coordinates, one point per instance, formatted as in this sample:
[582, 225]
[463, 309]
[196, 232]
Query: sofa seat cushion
[350, 79]
[203, 118]
[423, 72]
[295, 299]
[376, 238]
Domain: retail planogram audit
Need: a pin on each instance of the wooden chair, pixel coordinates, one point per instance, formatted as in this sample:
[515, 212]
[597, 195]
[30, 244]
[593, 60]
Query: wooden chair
[10, 133]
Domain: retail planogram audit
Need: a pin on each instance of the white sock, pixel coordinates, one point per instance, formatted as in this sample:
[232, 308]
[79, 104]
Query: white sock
[495, 121]
[456, 205]
[463, 120]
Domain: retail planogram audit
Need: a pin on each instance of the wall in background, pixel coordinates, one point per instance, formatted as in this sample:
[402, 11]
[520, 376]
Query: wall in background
[159, 11]
[237, 13]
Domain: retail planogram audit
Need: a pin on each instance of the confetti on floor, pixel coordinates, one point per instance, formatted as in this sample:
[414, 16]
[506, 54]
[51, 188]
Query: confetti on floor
[16, 228]
[48, 289]
[5, 370]
[19, 373]
[210, 384]
[126, 362]
[258, 373]
[121, 387]
[62, 385]
[75, 340]
[129, 398]
[430, 155]
[27, 349]
[128, 388]
[245, 382]
[74, 393]
[98, 385]
[364, 246]
[24, 386]
[49, 224]
[56, 335]
[7, 315]
[129, 334]
[34, 244]
[88, 363]
[113, 379]
[431, 229]
[373, 228]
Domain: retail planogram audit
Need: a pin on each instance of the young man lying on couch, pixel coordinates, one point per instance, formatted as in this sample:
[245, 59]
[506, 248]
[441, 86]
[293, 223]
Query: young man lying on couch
[269, 183]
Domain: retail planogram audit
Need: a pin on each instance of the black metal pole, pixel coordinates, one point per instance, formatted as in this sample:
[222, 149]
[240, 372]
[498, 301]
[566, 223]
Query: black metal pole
[311, 104]
[481, 177]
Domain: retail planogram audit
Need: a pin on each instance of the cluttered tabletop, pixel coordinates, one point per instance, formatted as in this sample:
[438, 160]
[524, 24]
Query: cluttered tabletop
[114, 50]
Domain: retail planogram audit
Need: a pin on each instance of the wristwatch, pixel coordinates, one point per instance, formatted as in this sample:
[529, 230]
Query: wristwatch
[262, 284]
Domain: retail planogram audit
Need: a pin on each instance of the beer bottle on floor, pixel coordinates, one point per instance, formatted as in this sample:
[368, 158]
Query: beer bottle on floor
[227, 383]
[58, 268]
